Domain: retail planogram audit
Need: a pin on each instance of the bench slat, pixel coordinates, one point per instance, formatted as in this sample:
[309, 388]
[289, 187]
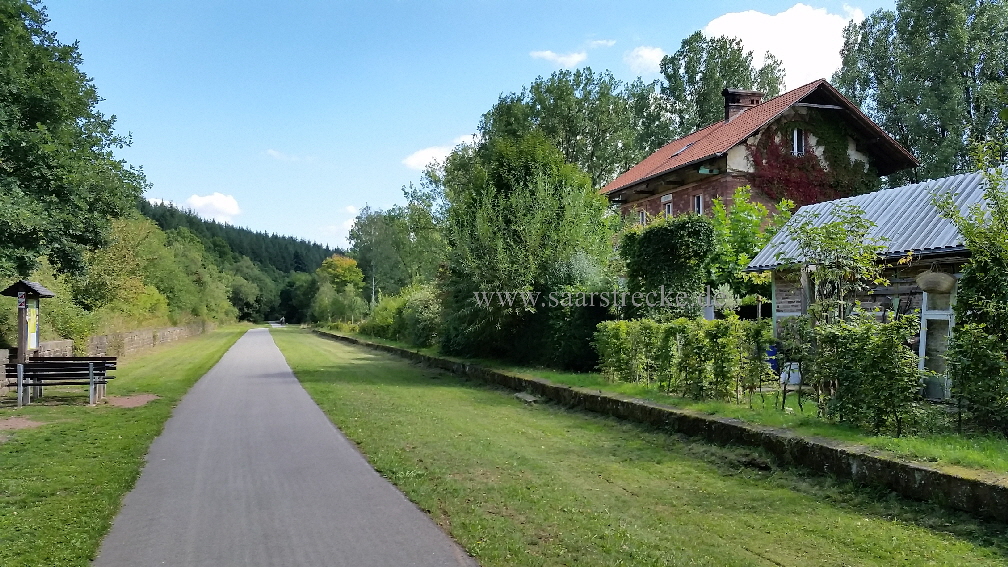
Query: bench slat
[27, 383]
[48, 371]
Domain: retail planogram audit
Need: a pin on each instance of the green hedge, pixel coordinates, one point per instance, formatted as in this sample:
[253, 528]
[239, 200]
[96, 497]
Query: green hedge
[862, 370]
[978, 369]
[724, 359]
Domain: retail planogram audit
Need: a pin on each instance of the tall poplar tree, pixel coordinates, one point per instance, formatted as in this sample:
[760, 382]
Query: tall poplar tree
[696, 74]
[929, 73]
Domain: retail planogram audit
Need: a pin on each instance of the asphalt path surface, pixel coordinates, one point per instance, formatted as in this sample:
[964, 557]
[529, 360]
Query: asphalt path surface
[250, 472]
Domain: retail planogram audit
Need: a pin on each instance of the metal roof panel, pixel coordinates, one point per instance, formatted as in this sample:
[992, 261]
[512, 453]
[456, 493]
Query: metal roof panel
[905, 218]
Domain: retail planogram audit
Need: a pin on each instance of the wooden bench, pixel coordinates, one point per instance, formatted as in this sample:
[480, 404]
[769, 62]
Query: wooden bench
[90, 371]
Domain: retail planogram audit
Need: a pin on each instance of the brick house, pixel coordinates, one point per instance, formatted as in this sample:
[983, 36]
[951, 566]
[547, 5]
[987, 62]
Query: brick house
[687, 174]
[905, 221]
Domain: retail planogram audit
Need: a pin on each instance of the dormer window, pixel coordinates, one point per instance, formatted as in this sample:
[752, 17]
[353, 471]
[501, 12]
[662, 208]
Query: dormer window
[798, 142]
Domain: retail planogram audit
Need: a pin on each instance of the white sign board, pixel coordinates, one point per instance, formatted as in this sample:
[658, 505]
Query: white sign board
[33, 326]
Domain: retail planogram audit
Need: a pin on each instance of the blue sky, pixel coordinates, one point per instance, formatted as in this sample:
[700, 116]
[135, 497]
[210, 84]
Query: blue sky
[297, 114]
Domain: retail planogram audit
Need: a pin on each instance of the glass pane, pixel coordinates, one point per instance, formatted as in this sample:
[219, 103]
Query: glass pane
[939, 301]
[936, 343]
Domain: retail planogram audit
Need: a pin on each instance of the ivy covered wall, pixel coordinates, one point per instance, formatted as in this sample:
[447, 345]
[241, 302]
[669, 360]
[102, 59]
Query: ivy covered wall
[825, 171]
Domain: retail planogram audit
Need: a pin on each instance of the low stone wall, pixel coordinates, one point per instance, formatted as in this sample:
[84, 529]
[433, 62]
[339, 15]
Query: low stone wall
[987, 498]
[117, 344]
[122, 345]
[130, 342]
[55, 348]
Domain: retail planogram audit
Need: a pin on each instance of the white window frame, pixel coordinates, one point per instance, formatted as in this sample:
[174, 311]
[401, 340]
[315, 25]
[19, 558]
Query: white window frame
[798, 142]
[935, 315]
[641, 217]
[668, 209]
[698, 204]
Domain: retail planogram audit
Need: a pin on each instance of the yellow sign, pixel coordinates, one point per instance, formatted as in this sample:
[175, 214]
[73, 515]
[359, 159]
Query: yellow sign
[33, 321]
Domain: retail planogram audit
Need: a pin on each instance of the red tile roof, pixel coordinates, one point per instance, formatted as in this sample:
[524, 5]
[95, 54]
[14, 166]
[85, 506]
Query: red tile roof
[718, 138]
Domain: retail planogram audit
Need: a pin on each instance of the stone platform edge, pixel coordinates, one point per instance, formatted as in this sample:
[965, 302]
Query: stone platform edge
[987, 499]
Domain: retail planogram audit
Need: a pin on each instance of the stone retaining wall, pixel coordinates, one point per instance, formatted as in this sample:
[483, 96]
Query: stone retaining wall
[130, 342]
[123, 344]
[983, 497]
[55, 348]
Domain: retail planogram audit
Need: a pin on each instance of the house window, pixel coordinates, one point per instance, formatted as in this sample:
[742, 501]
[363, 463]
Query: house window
[668, 209]
[641, 217]
[798, 142]
[698, 204]
[936, 328]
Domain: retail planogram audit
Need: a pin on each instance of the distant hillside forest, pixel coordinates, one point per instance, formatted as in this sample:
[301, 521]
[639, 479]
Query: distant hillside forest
[285, 253]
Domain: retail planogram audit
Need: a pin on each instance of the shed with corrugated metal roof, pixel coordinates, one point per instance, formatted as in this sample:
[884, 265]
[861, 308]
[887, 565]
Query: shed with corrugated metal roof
[905, 218]
[906, 222]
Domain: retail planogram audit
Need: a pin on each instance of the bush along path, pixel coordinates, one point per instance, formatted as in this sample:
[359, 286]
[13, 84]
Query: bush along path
[985, 497]
[536, 484]
[250, 472]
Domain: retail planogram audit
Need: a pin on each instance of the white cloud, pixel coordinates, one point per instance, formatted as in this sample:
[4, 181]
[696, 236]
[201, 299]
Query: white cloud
[220, 207]
[602, 43]
[644, 60]
[281, 156]
[806, 39]
[338, 234]
[420, 159]
[565, 60]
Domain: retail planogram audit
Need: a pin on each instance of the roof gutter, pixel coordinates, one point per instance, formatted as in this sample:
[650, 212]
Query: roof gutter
[929, 254]
[657, 175]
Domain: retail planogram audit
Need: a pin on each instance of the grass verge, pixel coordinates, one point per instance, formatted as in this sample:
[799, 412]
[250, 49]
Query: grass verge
[61, 484]
[540, 485]
[987, 455]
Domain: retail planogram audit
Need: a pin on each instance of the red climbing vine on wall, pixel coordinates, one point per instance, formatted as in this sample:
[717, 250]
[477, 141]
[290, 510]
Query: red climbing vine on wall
[807, 178]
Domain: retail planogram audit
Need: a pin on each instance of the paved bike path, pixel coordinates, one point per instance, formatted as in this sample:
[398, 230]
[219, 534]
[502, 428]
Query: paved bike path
[250, 472]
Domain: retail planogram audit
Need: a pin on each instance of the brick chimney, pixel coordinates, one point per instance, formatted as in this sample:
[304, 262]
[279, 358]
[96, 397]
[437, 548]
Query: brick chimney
[736, 101]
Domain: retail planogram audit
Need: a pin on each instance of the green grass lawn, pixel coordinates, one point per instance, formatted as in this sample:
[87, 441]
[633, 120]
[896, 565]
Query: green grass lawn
[986, 456]
[541, 485]
[61, 484]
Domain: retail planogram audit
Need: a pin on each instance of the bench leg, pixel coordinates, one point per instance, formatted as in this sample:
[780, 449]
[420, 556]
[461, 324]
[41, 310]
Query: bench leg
[20, 385]
[91, 386]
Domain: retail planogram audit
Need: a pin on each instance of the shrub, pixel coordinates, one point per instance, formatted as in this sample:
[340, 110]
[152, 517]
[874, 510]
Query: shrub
[385, 320]
[671, 253]
[862, 370]
[689, 357]
[329, 306]
[413, 315]
[420, 315]
[978, 370]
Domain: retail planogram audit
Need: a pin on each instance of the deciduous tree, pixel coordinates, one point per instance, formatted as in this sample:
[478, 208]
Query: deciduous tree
[704, 66]
[929, 73]
[59, 180]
